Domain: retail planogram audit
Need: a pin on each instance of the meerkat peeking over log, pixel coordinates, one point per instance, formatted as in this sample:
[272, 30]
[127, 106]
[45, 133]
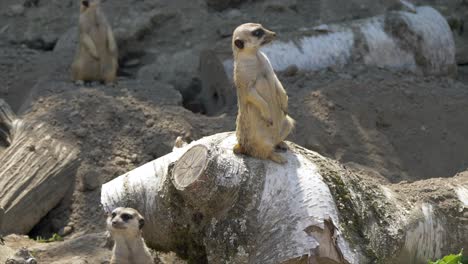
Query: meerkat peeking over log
[262, 121]
[124, 225]
[96, 56]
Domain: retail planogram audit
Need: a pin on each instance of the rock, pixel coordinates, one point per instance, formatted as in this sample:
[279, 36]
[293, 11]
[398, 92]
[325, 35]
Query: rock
[22, 256]
[457, 25]
[217, 94]
[177, 69]
[78, 260]
[67, 43]
[132, 63]
[91, 182]
[120, 161]
[234, 13]
[220, 5]
[65, 231]
[323, 28]
[90, 179]
[16, 10]
[5, 253]
[31, 3]
[134, 158]
[280, 5]
[291, 70]
[84, 249]
[43, 42]
[149, 123]
[81, 132]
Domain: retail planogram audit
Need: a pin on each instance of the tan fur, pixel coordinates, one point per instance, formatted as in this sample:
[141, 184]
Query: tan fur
[129, 247]
[262, 121]
[96, 57]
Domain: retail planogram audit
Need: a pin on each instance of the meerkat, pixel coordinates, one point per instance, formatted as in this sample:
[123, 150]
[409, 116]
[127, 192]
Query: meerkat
[96, 56]
[124, 226]
[179, 143]
[262, 121]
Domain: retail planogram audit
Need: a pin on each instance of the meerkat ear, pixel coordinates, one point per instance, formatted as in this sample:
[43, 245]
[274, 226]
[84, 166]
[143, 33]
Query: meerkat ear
[141, 223]
[239, 43]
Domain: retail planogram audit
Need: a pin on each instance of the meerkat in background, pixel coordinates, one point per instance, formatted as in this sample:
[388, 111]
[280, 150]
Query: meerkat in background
[124, 226]
[96, 57]
[262, 121]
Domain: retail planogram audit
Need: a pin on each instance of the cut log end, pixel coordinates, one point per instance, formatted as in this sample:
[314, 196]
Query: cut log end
[190, 167]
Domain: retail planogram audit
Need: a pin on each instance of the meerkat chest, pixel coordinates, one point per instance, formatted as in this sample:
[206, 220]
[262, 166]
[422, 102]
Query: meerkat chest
[90, 22]
[247, 71]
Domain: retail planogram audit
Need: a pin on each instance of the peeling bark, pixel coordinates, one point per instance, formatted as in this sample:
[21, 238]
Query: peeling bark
[35, 171]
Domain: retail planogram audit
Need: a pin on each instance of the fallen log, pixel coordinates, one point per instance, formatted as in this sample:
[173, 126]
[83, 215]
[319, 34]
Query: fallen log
[418, 40]
[212, 206]
[36, 171]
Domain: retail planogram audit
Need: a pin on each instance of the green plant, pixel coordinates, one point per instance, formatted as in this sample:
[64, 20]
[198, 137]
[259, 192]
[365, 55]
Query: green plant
[55, 237]
[451, 259]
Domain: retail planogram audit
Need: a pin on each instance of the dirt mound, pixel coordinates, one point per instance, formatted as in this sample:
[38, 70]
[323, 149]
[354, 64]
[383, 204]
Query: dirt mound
[403, 126]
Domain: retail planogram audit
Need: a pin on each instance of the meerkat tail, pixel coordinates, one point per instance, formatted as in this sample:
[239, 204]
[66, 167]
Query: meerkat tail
[288, 126]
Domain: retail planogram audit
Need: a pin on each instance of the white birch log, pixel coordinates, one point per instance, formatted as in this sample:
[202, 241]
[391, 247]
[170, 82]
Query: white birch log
[419, 41]
[203, 199]
[35, 171]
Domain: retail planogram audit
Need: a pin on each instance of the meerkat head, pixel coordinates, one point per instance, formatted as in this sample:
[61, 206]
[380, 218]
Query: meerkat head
[250, 37]
[85, 4]
[125, 221]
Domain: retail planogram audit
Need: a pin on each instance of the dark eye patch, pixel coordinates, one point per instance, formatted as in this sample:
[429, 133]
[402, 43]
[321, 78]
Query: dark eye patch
[126, 217]
[258, 33]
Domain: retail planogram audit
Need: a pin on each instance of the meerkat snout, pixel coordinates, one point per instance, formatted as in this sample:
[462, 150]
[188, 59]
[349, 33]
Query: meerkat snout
[126, 218]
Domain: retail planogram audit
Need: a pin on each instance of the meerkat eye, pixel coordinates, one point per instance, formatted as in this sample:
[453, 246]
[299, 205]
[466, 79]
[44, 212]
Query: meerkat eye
[258, 33]
[126, 217]
[113, 215]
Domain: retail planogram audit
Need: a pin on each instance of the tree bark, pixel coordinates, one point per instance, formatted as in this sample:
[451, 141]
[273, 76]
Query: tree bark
[238, 209]
[35, 171]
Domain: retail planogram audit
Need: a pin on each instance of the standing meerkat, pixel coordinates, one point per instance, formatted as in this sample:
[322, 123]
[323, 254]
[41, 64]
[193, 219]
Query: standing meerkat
[124, 225]
[96, 56]
[262, 121]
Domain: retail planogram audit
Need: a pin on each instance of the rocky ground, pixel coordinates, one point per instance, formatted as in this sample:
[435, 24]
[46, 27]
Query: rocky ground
[393, 125]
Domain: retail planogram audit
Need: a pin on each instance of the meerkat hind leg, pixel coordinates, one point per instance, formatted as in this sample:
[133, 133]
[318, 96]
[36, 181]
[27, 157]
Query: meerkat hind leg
[238, 149]
[282, 146]
[277, 158]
